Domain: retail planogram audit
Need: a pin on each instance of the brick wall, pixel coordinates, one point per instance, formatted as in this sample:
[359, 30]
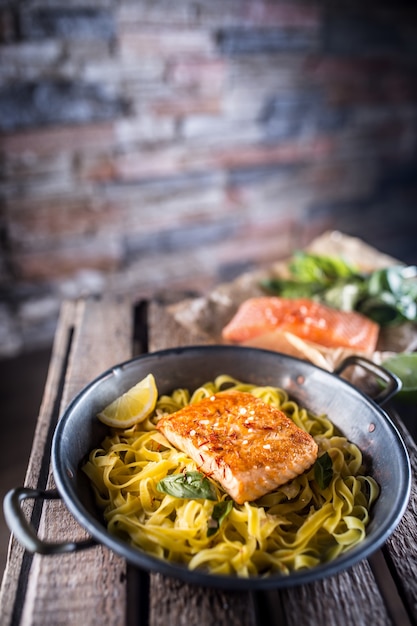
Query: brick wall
[147, 144]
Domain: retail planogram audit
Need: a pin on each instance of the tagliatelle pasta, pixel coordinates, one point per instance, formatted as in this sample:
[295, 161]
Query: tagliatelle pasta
[297, 526]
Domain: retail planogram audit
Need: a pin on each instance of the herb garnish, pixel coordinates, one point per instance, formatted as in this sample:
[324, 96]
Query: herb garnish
[323, 470]
[192, 485]
[220, 511]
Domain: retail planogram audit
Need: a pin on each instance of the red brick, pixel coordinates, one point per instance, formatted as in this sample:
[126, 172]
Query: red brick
[264, 239]
[203, 75]
[164, 42]
[101, 170]
[131, 166]
[286, 152]
[132, 16]
[7, 26]
[59, 263]
[285, 15]
[33, 222]
[183, 105]
[58, 139]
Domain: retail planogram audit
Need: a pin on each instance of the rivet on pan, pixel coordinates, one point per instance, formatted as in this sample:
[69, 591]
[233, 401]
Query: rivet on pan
[70, 473]
[371, 427]
[300, 379]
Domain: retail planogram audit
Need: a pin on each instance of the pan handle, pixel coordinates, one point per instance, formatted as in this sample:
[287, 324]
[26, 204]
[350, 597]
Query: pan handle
[392, 384]
[22, 529]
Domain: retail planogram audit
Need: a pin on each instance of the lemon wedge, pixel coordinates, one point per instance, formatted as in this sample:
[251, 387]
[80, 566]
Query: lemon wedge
[133, 406]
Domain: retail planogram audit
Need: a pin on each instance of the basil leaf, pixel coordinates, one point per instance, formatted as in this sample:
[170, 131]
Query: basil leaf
[220, 511]
[391, 296]
[192, 485]
[381, 309]
[323, 470]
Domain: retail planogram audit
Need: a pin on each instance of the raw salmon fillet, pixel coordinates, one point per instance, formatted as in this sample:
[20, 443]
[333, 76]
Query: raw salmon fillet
[248, 446]
[304, 318]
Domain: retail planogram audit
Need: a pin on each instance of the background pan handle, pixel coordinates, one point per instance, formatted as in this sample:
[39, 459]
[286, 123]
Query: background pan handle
[22, 529]
[391, 383]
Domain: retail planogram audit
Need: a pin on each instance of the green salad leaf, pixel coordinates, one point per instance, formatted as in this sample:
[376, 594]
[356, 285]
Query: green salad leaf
[192, 485]
[391, 295]
[388, 296]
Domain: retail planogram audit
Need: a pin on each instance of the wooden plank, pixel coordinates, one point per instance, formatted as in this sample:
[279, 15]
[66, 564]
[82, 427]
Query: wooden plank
[174, 602]
[56, 592]
[349, 598]
[401, 547]
[18, 562]
[389, 589]
[165, 332]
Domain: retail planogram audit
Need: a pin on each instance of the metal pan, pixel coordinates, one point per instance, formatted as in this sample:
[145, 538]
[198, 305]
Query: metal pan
[360, 419]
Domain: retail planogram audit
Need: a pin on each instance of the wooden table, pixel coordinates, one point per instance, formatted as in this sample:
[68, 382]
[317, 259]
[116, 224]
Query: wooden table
[96, 586]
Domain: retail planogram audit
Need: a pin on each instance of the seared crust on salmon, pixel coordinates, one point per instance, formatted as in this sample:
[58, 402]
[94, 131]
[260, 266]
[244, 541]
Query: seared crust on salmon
[248, 446]
[307, 319]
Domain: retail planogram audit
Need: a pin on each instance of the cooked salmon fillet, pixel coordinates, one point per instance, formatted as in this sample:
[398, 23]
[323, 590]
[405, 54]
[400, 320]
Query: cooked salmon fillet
[304, 318]
[248, 446]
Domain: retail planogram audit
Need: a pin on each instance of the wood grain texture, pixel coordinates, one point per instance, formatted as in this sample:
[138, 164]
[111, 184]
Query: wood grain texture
[351, 598]
[174, 602]
[18, 561]
[401, 547]
[56, 593]
[165, 332]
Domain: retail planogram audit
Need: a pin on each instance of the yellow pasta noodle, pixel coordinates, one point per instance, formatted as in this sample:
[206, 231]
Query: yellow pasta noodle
[297, 526]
